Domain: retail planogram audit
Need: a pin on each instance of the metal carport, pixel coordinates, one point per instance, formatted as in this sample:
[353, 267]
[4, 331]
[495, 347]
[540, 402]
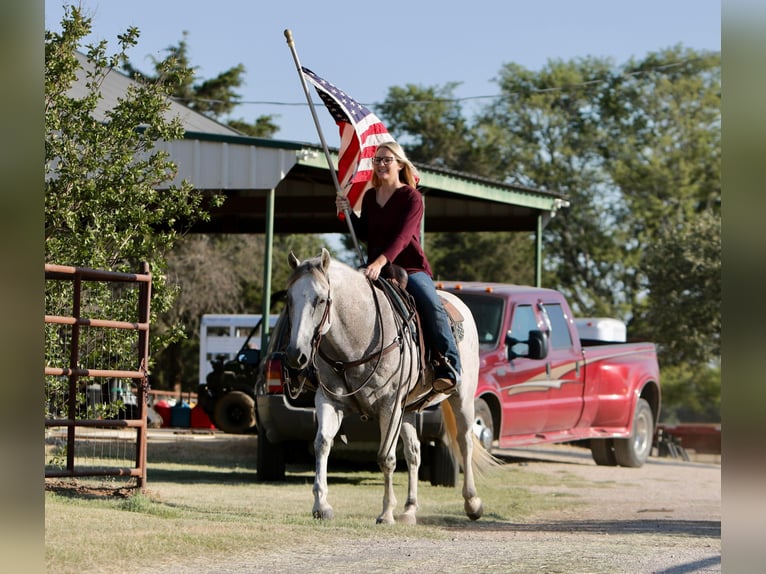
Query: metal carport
[274, 186]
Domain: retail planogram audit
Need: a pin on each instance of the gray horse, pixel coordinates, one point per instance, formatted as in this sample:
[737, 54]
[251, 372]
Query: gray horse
[347, 331]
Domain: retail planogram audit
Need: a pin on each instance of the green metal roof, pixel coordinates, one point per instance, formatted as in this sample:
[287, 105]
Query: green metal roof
[245, 169]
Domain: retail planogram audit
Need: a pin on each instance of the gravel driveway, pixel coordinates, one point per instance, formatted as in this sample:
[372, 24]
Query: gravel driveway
[662, 518]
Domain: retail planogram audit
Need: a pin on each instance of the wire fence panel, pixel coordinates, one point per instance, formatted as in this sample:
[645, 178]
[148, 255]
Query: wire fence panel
[96, 386]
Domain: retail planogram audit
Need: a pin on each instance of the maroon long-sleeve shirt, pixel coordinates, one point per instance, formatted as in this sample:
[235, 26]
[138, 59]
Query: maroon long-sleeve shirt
[393, 229]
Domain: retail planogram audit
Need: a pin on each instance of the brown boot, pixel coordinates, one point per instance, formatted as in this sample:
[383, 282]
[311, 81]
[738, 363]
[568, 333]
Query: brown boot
[444, 385]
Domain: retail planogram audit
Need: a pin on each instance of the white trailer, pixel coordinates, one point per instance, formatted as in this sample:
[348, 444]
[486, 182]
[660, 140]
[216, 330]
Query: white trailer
[225, 335]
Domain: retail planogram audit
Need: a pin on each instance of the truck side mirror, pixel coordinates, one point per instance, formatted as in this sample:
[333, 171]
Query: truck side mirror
[537, 345]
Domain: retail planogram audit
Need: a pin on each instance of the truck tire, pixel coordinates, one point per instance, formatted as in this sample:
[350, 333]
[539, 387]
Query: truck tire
[269, 459]
[483, 426]
[602, 451]
[633, 452]
[444, 466]
[234, 413]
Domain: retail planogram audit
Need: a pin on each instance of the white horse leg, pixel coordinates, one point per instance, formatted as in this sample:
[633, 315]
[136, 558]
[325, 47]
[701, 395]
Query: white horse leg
[463, 409]
[329, 419]
[411, 445]
[387, 464]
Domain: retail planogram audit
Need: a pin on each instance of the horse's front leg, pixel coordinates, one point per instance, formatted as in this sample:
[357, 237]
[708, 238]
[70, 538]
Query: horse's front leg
[387, 464]
[329, 418]
[411, 445]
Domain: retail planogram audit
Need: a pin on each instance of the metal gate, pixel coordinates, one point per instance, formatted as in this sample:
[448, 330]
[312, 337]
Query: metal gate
[96, 391]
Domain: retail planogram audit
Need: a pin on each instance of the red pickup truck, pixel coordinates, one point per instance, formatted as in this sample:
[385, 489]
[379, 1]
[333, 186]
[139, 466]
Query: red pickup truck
[539, 382]
[600, 388]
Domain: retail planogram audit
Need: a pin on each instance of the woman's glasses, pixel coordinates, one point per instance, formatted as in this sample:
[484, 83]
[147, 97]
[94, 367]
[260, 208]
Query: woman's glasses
[383, 160]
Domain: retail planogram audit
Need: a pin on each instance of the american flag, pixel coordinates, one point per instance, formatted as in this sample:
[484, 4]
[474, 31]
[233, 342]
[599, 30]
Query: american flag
[361, 132]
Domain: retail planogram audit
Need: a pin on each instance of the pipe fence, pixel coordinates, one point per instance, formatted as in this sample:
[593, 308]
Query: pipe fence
[97, 349]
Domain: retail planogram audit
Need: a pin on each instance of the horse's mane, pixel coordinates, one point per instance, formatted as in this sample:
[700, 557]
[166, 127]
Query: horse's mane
[313, 266]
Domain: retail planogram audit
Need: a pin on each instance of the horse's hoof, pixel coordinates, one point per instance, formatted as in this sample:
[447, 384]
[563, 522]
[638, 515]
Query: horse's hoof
[326, 514]
[382, 520]
[474, 508]
[407, 518]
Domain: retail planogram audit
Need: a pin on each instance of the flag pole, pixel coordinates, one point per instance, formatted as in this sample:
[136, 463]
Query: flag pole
[338, 191]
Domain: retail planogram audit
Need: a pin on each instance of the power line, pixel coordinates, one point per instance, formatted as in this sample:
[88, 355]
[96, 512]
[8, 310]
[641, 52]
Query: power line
[568, 87]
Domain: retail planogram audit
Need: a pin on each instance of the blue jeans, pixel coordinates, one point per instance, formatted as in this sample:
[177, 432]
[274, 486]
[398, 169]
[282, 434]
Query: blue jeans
[433, 318]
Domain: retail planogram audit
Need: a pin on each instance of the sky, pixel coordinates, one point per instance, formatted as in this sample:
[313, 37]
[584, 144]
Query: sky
[365, 48]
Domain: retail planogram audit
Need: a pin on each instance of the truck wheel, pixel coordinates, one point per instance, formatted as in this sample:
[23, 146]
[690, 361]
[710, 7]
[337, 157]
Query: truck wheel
[444, 467]
[482, 424]
[633, 452]
[269, 459]
[602, 451]
[235, 413]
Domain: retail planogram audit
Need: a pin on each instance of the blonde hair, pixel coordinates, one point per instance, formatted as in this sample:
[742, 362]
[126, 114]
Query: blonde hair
[408, 174]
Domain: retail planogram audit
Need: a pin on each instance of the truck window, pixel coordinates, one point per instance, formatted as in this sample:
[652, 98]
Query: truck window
[487, 313]
[561, 337]
[523, 322]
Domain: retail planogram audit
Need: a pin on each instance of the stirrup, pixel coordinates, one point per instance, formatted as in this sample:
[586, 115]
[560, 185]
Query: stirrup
[444, 385]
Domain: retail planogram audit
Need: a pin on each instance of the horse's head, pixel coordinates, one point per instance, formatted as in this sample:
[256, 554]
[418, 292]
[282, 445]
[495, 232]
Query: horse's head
[308, 307]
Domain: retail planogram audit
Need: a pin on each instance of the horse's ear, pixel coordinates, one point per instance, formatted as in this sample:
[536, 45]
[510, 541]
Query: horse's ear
[325, 259]
[293, 260]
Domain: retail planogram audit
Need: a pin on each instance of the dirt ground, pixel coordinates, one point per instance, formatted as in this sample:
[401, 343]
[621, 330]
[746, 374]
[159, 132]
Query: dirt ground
[664, 518]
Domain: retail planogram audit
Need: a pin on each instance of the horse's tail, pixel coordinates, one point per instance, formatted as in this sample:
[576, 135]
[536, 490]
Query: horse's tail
[482, 461]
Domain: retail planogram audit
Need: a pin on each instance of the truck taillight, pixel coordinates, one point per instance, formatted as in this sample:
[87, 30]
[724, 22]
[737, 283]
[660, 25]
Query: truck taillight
[274, 376]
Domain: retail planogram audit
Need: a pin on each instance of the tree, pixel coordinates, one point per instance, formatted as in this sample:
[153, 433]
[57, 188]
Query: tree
[684, 312]
[433, 124]
[546, 134]
[503, 257]
[215, 97]
[218, 274]
[634, 148]
[102, 206]
[666, 159]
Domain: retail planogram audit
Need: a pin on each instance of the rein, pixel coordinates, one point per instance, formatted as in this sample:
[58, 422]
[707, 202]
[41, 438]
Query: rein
[341, 366]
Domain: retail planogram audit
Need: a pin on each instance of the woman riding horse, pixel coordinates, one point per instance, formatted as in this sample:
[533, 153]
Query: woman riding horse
[390, 225]
[344, 329]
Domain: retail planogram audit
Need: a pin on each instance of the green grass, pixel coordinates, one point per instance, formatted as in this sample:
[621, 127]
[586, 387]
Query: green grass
[204, 502]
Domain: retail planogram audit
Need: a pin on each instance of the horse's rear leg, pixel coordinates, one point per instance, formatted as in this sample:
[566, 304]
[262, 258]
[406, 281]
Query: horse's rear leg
[329, 419]
[464, 415]
[411, 445]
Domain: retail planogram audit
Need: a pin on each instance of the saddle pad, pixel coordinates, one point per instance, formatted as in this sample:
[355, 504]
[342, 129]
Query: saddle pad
[456, 315]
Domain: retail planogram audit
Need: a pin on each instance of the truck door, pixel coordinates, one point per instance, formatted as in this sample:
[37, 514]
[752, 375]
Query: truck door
[563, 370]
[522, 381]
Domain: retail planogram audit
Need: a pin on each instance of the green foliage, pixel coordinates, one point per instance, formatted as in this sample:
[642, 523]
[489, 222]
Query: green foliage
[431, 123]
[483, 256]
[551, 139]
[635, 148]
[683, 309]
[215, 97]
[103, 205]
[263, 127]
[691, 393]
